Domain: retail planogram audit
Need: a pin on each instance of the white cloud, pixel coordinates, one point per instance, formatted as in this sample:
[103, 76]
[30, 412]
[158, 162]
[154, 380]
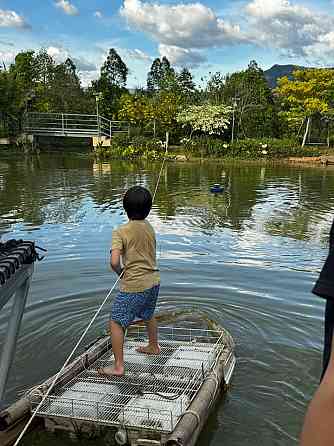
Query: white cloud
[137, 54]
[83, 64]
[182, 30]
[67, 7]
[294, 29]
[275, 8]
[186, 26]
[10, 19]
[181, 56]
[87, 77]
[98, 14]
[2, 42]
[322, 52]
[60, 54]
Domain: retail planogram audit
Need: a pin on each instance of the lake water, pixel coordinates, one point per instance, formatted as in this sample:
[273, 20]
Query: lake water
[248, 258]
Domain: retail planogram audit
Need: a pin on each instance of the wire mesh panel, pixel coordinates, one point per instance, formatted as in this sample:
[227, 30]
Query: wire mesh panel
[155, 389]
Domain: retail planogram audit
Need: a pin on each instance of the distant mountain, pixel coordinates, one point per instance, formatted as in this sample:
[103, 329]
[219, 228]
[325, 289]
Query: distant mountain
[277, 71]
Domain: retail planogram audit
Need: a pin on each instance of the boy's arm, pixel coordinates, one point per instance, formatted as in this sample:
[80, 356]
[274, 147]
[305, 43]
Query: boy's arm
[115, 261]
[116, 252]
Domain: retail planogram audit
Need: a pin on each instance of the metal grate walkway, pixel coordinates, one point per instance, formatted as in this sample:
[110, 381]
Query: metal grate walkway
[155, 390]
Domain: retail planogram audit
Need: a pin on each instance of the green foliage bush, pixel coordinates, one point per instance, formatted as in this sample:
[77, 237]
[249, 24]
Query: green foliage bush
[205, 146]
[250, 148]
[124, 147]
[121, 140]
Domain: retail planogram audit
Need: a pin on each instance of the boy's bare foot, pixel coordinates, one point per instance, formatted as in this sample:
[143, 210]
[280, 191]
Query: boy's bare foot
[149, 350]
[111, 371]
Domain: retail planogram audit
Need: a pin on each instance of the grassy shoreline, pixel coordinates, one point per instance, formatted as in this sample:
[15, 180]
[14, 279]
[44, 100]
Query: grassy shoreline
[205, 147]
[294, 156]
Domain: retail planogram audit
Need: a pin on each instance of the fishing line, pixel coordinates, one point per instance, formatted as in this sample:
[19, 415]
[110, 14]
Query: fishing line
[87, 328]
[162, 166]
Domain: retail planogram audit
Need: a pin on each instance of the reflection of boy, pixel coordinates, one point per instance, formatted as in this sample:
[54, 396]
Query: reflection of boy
[324, 287]
[134, 246]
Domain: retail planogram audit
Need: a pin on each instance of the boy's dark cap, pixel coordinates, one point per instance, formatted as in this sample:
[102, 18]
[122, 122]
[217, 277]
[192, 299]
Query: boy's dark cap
[137, 203]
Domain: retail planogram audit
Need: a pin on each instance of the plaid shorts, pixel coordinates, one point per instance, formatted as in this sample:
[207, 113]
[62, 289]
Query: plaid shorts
[130, 306]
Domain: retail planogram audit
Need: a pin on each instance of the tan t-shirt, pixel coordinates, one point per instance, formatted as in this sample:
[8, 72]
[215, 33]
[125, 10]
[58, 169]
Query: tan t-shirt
[136, 241]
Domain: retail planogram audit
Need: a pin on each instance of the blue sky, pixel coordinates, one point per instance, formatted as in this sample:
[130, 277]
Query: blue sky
[205, 35]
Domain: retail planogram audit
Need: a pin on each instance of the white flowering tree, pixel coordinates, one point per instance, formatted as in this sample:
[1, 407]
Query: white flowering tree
[210, 119]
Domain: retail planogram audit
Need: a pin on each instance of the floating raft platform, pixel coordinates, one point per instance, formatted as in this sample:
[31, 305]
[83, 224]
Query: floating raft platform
[161, 400]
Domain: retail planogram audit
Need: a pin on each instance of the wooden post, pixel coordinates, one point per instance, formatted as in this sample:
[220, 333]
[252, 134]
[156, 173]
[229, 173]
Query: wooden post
[167, 140]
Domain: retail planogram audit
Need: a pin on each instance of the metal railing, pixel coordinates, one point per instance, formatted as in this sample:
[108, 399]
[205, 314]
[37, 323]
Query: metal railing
[156, 390]
[72, 125]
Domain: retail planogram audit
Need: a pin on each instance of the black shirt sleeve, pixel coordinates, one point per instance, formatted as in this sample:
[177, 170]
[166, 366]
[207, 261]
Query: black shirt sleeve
[324, 286]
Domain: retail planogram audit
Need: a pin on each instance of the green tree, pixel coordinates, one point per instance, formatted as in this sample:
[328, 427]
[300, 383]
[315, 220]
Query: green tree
[114, 70]
[44, 68]
[161, 76]
[10, 102]
[34, 82]
[309, 93]
[70, 71]
[166, 68]
[44, 65]
[111, 84]
[165, 109]
[24, 69]
[215, 89]
[185, 80]
[134, 109]
[159, 111]
[255, 111]
[24, 75]
[154, 76]
[66, 92]
[33, 74]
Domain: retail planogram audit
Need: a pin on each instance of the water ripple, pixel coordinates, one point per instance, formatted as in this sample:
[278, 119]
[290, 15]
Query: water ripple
[248, 258]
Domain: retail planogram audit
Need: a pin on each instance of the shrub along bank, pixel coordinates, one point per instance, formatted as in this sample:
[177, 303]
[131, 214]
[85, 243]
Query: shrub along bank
[124, 147]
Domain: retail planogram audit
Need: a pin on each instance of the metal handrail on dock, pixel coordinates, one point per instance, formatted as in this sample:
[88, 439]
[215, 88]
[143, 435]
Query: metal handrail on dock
[71, 125]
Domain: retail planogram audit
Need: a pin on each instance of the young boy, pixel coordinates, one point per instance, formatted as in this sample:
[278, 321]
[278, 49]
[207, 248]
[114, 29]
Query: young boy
[134, 247]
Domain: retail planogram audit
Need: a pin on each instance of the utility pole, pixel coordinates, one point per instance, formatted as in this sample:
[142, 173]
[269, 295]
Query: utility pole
[235, 103]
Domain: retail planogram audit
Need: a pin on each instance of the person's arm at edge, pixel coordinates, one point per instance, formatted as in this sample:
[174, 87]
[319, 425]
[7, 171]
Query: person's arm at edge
[318, 429]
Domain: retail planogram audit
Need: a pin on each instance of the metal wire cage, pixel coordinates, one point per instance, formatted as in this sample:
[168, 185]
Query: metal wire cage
[155, 390]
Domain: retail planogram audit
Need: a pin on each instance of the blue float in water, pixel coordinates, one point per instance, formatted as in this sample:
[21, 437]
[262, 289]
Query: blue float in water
[216, 189]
